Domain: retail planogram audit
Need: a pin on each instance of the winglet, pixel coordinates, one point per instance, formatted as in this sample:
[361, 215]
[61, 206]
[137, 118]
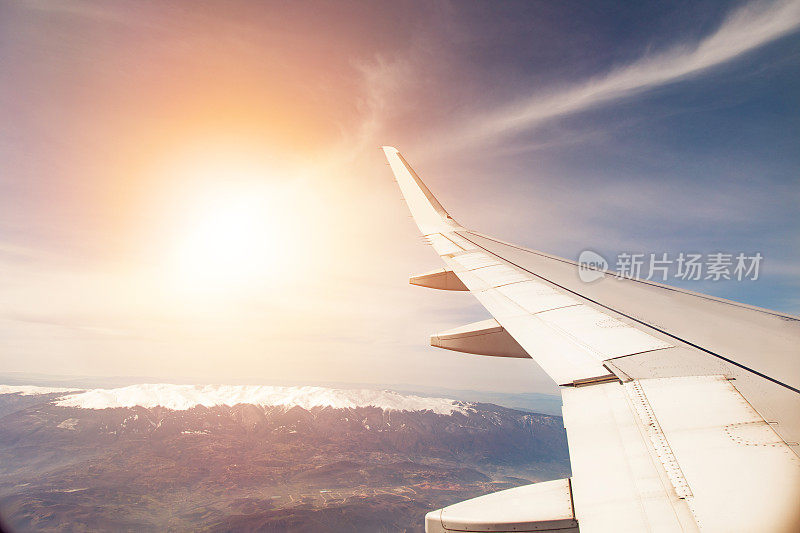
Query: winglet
[428, 213]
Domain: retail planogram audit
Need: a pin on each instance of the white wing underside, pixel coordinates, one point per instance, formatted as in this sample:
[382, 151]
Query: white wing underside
[682, 410]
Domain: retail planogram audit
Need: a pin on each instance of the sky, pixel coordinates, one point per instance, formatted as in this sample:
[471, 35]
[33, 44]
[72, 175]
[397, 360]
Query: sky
[194, 191]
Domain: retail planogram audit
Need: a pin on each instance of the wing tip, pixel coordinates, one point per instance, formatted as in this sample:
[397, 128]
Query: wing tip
[390, 150]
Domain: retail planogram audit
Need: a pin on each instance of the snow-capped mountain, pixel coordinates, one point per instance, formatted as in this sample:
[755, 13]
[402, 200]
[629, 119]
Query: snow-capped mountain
[183, 397]
[211, 454]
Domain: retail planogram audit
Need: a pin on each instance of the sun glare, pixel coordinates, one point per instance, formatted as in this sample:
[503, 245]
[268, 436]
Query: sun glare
[235, 219]
[233, 243]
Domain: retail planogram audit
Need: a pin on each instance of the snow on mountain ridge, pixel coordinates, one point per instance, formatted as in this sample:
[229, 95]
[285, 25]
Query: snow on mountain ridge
[30, 390]
[182, 397]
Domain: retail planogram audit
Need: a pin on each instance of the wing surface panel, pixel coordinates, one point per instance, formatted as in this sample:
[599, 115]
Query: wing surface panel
[760, 340]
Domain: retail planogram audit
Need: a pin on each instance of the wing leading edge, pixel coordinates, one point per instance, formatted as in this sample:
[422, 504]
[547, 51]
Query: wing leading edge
[680, 408]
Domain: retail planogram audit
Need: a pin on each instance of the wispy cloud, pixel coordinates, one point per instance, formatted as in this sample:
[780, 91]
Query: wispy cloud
[382, 79]
[81, 9]
[746, 29]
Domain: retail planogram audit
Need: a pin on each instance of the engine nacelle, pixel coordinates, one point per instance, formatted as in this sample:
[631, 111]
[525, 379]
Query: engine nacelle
[545, 506]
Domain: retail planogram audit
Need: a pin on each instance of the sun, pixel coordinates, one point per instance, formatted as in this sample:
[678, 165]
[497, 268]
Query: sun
[234, 219]
[233, 239]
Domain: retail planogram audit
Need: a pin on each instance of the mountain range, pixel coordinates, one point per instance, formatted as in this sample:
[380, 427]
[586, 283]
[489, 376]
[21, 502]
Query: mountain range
[160, 457]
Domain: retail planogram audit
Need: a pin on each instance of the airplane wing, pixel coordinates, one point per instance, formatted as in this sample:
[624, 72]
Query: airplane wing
[682, 410]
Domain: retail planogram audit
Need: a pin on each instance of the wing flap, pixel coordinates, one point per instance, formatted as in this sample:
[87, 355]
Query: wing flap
[741, 474]
[669, 452]
[619, 484]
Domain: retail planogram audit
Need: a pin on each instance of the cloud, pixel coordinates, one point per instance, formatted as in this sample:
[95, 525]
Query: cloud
[81, 9]
[382, 80]
[746, 29]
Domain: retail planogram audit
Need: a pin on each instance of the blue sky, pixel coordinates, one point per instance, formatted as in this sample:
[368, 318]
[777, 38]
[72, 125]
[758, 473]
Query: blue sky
[563, 126]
